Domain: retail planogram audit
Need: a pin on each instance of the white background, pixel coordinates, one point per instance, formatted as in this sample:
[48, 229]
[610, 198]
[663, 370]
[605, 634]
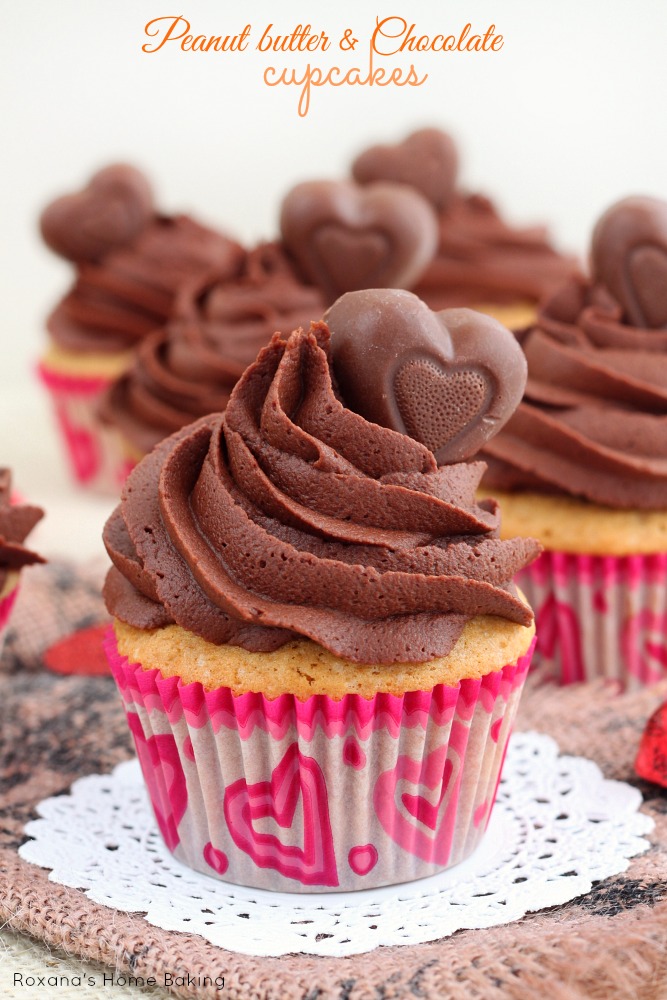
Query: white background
[567, 117]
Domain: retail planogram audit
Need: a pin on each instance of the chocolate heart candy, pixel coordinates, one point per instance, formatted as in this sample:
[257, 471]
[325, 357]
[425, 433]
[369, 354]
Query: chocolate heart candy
[346, 237]
[629, 257]
[109, 212]
[426, 160]
[449, 379]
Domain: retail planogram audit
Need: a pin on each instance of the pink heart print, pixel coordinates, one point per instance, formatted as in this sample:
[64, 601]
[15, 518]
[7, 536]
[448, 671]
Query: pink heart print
[362, 859]
[422, 809]
[353, 755]
[295, 779]
[644, 645]
[415, 819]
[163, 773]
[558, 628]
[215, 859]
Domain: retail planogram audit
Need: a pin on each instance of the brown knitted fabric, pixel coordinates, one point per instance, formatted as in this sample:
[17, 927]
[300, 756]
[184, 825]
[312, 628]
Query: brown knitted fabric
[610, 944]
[53, 600]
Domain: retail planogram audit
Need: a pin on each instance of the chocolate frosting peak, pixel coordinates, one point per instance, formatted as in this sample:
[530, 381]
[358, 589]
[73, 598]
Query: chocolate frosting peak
[291, 516]
[189, 368]
[115, 303]
[132, 263]
[593, 422]
[482, 259]
[16, 522]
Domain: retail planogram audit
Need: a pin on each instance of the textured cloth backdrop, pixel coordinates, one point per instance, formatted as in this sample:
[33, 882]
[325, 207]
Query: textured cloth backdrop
[610, 944]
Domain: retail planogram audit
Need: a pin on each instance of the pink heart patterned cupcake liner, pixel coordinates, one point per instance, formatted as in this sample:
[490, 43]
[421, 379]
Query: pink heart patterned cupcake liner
[95, 455]
[320, 795]
[599, 617]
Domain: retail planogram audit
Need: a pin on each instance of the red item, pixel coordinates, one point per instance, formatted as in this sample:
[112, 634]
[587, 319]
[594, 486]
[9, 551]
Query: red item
[651, 762]
[79, 653]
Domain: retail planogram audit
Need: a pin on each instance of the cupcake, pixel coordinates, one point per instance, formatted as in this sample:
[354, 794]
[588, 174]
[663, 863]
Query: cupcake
[582, 464]
[16, 522]
[131, 264]
[189, 368]
[481, 261]
[316, 637]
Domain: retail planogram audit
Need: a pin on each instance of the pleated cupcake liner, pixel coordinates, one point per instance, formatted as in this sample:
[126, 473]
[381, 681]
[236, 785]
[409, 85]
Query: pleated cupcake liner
[95, 460]
[320, 795]
[7, 600]
[599, 617]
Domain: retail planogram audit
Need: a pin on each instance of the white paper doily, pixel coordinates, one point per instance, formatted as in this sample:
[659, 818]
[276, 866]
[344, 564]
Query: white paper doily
[558, 826]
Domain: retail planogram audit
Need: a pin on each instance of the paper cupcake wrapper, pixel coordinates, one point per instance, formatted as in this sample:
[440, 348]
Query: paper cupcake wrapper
[320, 795]
[119, 457]
[599, 617]
[95, 461]
[6, 604]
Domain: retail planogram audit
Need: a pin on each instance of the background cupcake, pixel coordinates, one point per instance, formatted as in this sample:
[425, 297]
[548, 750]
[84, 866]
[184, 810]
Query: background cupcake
[16, 522]
[131, 264]
[189, 368]
[317, 640]
[583, 462]
[481, 260]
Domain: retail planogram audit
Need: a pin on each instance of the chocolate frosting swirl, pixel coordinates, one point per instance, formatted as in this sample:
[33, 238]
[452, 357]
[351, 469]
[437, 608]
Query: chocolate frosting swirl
[291, 516]
[593, 423]
[189, 368]
[132, 290]
[482, 259]
[16, 522]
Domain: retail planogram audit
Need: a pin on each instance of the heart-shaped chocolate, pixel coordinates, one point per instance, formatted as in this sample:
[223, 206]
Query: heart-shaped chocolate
[449, 379]
[110, 212]
[629, 257]
[345, 237]
[427, 160]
